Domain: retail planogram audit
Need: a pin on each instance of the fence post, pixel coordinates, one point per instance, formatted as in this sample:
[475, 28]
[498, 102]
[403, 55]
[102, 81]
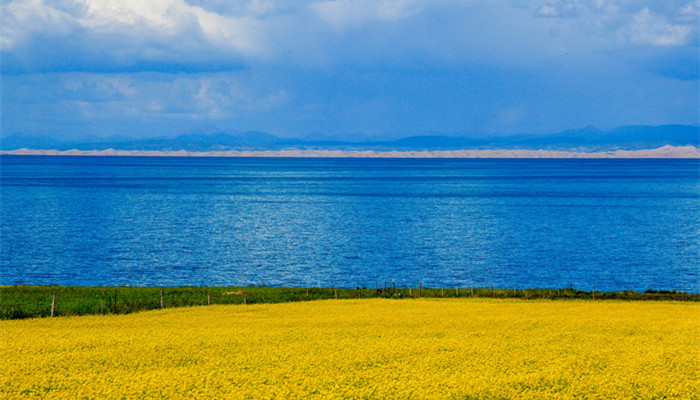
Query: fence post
[336, 293]
[208, 299]
[593, 292]
[515, 291]
[420, 288]
[161, 299]
[442, 291]
[682, 290]
[409, 292]
[53, 302]
[456, 291]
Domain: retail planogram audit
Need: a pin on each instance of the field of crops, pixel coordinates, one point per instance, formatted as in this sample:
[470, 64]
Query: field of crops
[366, 348]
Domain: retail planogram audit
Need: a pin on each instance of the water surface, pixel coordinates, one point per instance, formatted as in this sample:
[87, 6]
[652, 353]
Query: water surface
[616, 224]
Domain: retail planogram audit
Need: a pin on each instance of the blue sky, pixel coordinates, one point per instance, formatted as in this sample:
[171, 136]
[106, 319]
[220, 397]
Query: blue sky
[346, 68]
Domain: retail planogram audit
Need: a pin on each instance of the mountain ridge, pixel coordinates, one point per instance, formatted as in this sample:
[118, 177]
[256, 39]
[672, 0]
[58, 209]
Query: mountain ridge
[208, 137]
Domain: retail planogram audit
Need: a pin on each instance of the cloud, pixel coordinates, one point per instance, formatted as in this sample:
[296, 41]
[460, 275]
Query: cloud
[213, 35]
[344, 14]
[651, 28]
[122, 35]
[667, 23]
[144, 95]
[391, 67]
[559, 9]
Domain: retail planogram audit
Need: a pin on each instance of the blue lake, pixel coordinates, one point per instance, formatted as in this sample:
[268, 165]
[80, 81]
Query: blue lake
[615, 224]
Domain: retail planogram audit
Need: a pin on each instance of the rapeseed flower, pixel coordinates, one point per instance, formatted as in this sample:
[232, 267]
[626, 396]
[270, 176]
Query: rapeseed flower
[361, 349]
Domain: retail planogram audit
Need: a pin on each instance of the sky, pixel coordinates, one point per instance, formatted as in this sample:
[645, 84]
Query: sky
[346, 68]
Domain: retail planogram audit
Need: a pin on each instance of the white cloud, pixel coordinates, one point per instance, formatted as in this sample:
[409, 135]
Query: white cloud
[344, 14]
[116, 96]
[212, 96]
[547, 11]
[344, 65]
[654, 29]
[167, 19]
[119, 35]
[22, 19]
[668, 23]
[123, 85]
[115, 33]
[559, 9]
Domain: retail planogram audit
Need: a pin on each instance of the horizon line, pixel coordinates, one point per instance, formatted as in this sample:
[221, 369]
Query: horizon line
[664, 152]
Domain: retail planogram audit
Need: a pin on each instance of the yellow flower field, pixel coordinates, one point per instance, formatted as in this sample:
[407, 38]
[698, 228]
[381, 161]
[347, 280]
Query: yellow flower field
[366, 349]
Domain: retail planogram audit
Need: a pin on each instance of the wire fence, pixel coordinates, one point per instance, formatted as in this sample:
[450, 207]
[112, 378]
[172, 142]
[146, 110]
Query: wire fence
[18, 302]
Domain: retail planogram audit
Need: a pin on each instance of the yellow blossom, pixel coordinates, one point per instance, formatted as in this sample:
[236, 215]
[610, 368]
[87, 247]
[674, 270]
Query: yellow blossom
[361, 349]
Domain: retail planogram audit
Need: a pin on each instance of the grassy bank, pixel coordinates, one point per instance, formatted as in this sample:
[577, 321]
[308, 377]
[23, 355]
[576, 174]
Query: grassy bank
[17, 302]
[362, 349]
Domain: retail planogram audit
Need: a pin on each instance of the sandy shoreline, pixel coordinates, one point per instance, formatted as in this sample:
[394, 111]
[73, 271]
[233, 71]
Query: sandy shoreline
[661, 152]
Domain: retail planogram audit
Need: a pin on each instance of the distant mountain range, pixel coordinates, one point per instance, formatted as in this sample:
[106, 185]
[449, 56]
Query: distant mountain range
[211, 138]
